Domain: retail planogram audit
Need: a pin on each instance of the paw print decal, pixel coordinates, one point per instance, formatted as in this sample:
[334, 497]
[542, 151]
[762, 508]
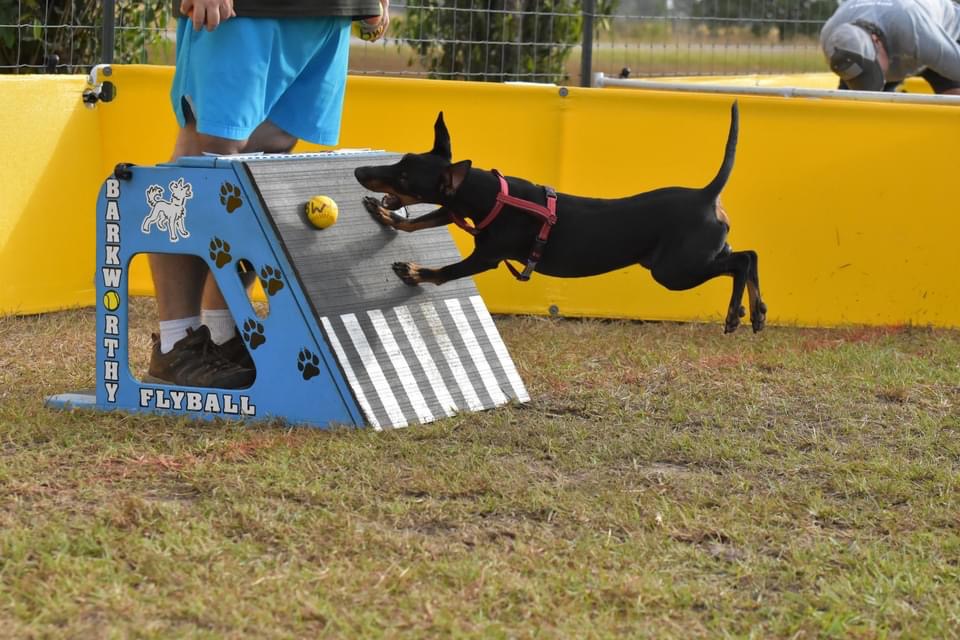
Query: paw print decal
[272, 280]
[230, 197]
[220, 252]
[308, 363]
[253, 333]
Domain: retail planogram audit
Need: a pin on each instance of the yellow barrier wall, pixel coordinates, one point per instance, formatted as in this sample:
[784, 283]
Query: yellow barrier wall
[50, 172]
[848, 204]
[843, 202]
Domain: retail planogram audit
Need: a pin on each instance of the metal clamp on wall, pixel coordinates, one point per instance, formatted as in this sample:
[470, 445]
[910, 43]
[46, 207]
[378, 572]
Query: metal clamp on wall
[97, 90]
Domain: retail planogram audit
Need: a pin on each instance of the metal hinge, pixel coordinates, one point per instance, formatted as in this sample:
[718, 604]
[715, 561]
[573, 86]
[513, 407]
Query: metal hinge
[99, 90]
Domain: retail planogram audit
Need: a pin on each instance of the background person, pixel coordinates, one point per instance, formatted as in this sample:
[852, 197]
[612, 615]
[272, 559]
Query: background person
[251, 76]
[874, 45]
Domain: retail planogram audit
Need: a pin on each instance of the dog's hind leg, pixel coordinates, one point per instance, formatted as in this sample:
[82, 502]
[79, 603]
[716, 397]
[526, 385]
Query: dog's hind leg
[745, 274]
[740, 265]
[758, 308]
[147, 222]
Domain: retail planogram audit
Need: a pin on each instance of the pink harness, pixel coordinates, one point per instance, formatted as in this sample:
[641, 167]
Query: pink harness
[547, 213]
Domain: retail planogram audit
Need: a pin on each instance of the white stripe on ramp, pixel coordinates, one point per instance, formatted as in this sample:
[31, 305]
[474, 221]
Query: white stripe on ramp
[372, 367]
[450, 355]
[493, 335]
[400, 366]
[351, 376]
[476, 353]
[422, 351]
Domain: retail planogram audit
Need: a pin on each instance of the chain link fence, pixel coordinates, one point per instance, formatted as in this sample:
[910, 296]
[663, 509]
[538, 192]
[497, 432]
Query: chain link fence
[561, 41]
[67, 36]
[655, 38]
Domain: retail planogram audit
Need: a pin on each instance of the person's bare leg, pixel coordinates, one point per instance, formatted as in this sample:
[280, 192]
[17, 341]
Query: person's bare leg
[178, 279]
[178, 283]
[267, 138]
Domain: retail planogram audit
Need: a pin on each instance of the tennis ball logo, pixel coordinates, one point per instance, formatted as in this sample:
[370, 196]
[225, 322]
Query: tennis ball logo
[366, 31]
[111, 300]
[321, 211]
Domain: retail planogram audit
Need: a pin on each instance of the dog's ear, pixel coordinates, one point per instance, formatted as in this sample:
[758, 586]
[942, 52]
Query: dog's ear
[441, 139]
[453, 176]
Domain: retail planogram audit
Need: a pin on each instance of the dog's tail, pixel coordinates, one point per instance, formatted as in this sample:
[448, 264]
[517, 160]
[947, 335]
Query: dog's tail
[712, 190]
[154, 193]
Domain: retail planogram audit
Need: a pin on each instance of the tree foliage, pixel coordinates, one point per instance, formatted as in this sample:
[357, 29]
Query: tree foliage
[789, 17]
[496, 40]
[62, 35]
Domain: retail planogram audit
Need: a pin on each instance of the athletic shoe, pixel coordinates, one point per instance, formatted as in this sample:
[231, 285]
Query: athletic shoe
[195, 361]
[236, 352]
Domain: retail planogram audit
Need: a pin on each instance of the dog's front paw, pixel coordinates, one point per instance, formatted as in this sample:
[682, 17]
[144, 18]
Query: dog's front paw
[408, 272]
[758, 316]
[733, 319]
[381, 215]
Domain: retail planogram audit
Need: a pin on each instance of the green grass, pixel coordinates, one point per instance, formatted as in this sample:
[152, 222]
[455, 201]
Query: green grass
[704, 59]
[665, 481]
[643, 58]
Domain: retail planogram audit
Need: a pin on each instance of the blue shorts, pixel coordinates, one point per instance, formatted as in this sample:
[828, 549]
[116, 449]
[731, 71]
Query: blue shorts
[290, 71]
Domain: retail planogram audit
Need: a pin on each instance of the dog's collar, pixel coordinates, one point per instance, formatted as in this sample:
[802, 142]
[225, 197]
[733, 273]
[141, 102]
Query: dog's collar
[547, 213]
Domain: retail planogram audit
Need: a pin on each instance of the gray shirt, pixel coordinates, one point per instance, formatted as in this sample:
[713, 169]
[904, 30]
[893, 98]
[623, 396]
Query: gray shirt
[919, 33]
[290, 8]
[355, 9]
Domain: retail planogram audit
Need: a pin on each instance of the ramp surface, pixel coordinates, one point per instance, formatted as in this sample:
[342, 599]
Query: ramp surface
[409, 354]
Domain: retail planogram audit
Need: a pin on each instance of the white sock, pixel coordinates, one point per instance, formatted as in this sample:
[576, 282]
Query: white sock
[173, 331]
[221, 324]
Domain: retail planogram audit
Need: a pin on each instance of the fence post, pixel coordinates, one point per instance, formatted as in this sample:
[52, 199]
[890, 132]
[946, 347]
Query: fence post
[586, 47]
[109, 23]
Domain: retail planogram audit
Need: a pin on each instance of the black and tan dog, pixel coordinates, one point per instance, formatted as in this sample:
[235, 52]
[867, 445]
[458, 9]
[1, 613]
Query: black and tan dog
[678, 233]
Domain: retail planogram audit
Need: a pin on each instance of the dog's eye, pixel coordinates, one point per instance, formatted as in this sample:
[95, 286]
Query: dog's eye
[403, 181]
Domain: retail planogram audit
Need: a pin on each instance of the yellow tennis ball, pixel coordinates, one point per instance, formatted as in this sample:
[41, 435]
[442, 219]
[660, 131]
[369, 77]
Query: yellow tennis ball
[111, 300]
[321, 211]
[365, 30]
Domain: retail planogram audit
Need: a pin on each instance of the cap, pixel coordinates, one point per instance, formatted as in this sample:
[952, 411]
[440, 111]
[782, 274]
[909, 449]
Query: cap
[853, 57]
